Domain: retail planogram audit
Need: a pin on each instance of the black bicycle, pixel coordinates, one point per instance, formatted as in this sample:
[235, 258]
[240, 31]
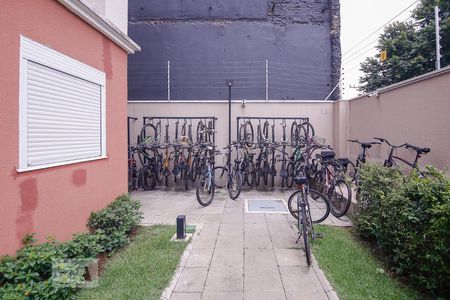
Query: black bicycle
[391, 160]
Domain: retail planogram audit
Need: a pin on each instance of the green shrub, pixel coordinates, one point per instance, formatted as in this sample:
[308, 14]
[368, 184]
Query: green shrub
[115, 222]
[53, 270]
[410, 221]
[83, 245]
[377, 183]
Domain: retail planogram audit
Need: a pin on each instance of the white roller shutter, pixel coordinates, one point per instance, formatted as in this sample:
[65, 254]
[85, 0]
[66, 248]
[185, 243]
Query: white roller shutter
[63, 115]
[62, 109]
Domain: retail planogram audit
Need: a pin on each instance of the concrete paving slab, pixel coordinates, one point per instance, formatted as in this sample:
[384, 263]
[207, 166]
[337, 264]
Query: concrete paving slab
[224, 257]
[225, 279]
[200, 258]
[186, 296]
[222, 295]
[191, 280]
[259, 257]
[237, 255]
[262, 278]
[264, 295]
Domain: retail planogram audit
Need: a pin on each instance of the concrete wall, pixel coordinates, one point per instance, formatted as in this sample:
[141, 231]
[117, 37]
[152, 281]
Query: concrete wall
[208, 42]
[415, 112]
[320, 114]
[57, 201]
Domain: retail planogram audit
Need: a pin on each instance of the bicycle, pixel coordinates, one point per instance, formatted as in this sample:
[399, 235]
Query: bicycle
[232, 180]
[205, 187]
[305, 213]
[329, 180]
[391, 159]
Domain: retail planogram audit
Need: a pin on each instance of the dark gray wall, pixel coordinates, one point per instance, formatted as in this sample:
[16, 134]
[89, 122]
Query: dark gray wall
[210, 41]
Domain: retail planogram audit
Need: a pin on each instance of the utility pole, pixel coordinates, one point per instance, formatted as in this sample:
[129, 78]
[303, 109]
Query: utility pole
[438, 38]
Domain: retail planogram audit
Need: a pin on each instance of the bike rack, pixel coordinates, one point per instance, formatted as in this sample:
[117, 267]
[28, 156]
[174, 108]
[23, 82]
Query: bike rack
[128, 128]
[145, 120]
[238, 120]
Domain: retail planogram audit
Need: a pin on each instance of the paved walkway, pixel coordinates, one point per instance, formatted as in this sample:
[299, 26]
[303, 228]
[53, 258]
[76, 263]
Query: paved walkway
[235, 254]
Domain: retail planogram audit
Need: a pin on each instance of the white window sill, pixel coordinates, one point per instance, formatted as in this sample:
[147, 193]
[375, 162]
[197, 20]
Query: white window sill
[64, 163]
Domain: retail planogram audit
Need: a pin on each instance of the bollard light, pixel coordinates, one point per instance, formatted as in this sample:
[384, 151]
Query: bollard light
[181, 227]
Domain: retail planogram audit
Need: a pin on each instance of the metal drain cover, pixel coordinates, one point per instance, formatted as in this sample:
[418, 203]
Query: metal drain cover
[266, 206]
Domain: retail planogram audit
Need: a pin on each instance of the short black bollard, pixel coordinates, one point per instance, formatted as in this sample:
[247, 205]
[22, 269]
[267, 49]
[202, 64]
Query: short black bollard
[181, 227]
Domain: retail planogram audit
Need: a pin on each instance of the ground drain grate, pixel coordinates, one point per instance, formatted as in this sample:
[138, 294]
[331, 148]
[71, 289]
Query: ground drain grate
[265, 206]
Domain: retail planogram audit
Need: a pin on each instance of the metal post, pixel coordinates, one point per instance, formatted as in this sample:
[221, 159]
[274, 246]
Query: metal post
[229, 84]
[438, 38]
[267, 80]
[168, 80]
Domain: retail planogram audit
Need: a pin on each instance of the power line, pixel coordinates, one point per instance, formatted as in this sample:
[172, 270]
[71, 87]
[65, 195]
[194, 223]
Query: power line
[367, 37]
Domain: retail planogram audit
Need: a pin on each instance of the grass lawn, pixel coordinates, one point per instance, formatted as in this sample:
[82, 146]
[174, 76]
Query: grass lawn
[352, 270]
[141, 270]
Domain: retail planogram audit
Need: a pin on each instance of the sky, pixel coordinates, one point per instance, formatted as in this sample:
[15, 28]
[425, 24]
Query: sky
[360, 18]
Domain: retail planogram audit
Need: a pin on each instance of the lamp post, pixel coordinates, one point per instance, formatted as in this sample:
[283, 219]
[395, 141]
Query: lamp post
[229, 84]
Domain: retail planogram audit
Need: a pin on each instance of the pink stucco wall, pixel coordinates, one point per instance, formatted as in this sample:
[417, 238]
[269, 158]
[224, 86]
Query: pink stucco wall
[56, 201]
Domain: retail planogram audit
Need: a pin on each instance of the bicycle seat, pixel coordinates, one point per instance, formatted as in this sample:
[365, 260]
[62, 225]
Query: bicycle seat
[418, 149]
[300, 179]
[327, 154]
[366, 145]
[344, 161]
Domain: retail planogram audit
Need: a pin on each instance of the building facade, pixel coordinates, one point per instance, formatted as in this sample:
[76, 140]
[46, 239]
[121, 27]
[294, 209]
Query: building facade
[64, 89]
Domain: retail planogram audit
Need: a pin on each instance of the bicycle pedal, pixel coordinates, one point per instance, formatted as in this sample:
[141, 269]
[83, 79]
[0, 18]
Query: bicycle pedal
[319, 235]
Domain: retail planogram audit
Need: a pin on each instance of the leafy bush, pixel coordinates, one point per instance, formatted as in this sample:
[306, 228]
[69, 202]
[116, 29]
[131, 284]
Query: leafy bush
[83, 245]
[409, 218]
[53, 270]
[115, 222]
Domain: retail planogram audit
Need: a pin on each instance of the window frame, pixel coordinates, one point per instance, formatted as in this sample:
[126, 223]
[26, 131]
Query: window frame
[33, 51]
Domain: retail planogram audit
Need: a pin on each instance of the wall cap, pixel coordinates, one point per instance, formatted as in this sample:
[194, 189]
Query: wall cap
[233, 101]
[102, 24]
[403, 83]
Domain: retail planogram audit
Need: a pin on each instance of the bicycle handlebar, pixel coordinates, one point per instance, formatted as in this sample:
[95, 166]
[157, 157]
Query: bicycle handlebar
[387, 142]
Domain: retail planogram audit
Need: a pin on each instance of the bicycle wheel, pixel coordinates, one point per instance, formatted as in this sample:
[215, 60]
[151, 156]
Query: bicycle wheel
[220, 177]
[294, 134]
[186, 177]
[291, 175]
[340, 197]
[201, 137]
[250, 171]
[318, 205]
[205, 189]
[309, 131]
[147, 179]
[305, 233]
[248, 133]
[351, 171]
[235, 185]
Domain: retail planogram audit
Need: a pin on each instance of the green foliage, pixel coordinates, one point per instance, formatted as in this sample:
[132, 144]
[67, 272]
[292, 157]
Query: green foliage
[410, 221]
[410, 48]
[53, 270]
[83, 245]
[115, 222]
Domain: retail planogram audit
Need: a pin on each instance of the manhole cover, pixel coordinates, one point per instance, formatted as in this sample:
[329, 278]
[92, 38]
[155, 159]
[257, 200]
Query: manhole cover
[266, 206]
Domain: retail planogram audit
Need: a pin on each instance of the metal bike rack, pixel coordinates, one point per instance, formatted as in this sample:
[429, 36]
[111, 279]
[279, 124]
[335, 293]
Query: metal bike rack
[145, 120]
[238, 120]
[128, 128]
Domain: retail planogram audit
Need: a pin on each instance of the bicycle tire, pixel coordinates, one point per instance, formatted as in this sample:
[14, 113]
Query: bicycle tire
[306, 237]
[235, 185]
[186, 178]
[351, 171]
[309, 129]
[318, 204]
[291, 175]
[294, 134]
[200, 132]
[249, 136]
[265, 130]
[220, 177]
[250, 174]
[205, 189]
[147, 179]
[340, 198]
